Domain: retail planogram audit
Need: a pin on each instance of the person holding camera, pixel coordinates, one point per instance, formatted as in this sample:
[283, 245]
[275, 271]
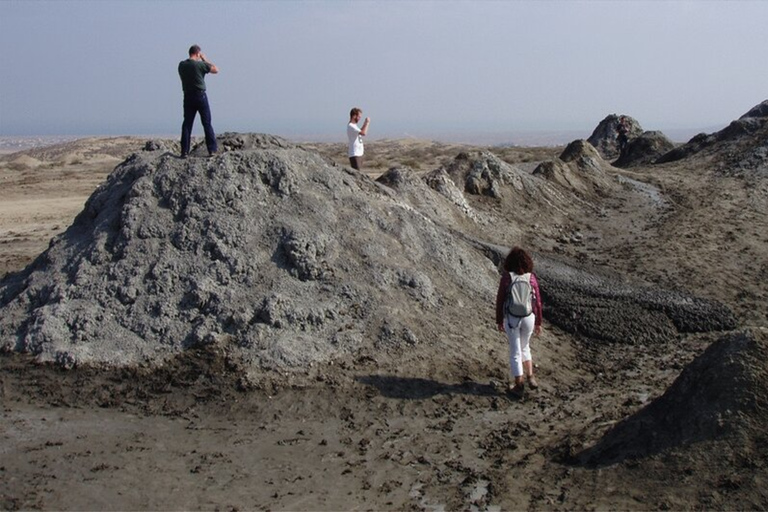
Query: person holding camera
[192, 73]
[355, 135]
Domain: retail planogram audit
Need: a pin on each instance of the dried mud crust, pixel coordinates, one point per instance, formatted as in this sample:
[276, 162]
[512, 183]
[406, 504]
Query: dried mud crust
[191, 437]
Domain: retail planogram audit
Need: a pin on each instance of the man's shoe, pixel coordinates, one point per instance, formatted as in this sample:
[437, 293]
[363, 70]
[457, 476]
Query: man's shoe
[532, 382]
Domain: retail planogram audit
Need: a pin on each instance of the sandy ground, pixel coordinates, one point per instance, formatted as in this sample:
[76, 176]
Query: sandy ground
[189, 438]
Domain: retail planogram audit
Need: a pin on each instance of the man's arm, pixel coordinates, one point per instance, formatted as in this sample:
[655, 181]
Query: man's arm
[214, 69]
[364, 129]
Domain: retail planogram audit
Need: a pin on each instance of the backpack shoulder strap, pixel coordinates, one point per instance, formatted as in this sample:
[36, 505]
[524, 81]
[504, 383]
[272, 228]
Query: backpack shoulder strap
[524, 277]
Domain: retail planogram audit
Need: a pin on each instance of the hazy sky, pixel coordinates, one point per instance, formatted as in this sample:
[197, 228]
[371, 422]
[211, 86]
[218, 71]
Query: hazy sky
[421, 68]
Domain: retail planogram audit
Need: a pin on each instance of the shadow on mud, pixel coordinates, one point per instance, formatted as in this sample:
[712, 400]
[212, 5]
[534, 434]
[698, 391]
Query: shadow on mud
[410, 388]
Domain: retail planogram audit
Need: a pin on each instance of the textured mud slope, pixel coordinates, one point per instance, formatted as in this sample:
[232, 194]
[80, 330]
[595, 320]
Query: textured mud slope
[720, 396]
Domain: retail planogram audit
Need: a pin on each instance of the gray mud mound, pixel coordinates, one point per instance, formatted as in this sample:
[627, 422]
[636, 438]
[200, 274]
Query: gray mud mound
[265, 250]
[603, 137]
[645, 149]
[480, 175]
[720, 396]
[609, 309]
[434, 195]
[741, 148]
[579, 168]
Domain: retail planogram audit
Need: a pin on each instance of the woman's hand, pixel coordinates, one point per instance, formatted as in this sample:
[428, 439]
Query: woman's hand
[537, 330]
[501, 326]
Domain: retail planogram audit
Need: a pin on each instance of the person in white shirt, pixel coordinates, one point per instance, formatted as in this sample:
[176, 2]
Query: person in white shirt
[355, 135]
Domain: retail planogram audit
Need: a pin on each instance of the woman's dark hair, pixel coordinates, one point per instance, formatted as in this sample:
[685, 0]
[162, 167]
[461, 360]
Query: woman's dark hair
[518, 261]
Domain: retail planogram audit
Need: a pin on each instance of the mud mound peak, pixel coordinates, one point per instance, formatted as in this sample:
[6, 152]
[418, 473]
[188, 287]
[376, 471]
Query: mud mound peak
[759, 110]
[645, 149]
[720, 395]
[578, 168]
[603, 137]
[579, 149]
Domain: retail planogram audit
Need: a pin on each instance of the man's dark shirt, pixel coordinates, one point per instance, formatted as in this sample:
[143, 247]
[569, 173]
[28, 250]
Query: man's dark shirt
[192, 73]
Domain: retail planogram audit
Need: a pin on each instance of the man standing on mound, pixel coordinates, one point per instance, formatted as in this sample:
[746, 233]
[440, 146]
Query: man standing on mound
[355, 136]
[192, 72]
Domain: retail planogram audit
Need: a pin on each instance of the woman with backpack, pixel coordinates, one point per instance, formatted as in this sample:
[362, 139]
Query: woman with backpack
[518, 313]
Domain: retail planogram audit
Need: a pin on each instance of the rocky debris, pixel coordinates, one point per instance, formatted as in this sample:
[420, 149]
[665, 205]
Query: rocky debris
[603, 137]
[741, 147]
[574, 237]
[721, 395]
[163, 145]
[230, 141]
[579, 168]
[645, 149]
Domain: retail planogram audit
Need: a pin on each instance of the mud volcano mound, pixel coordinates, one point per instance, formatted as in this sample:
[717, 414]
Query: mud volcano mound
[741, 148]
[719, 397]
[645, 149]
[266, 250]
[603, 137]
[579, 168]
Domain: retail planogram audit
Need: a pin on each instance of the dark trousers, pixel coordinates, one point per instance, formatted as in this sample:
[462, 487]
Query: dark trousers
[195, 102]
[356, 162]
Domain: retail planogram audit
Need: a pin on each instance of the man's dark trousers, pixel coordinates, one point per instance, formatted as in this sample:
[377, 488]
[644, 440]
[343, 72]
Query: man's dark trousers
[195, 102]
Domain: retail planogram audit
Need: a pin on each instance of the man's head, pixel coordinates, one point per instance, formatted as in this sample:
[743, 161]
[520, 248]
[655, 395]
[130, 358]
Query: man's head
[194, 50]
[355, 114]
